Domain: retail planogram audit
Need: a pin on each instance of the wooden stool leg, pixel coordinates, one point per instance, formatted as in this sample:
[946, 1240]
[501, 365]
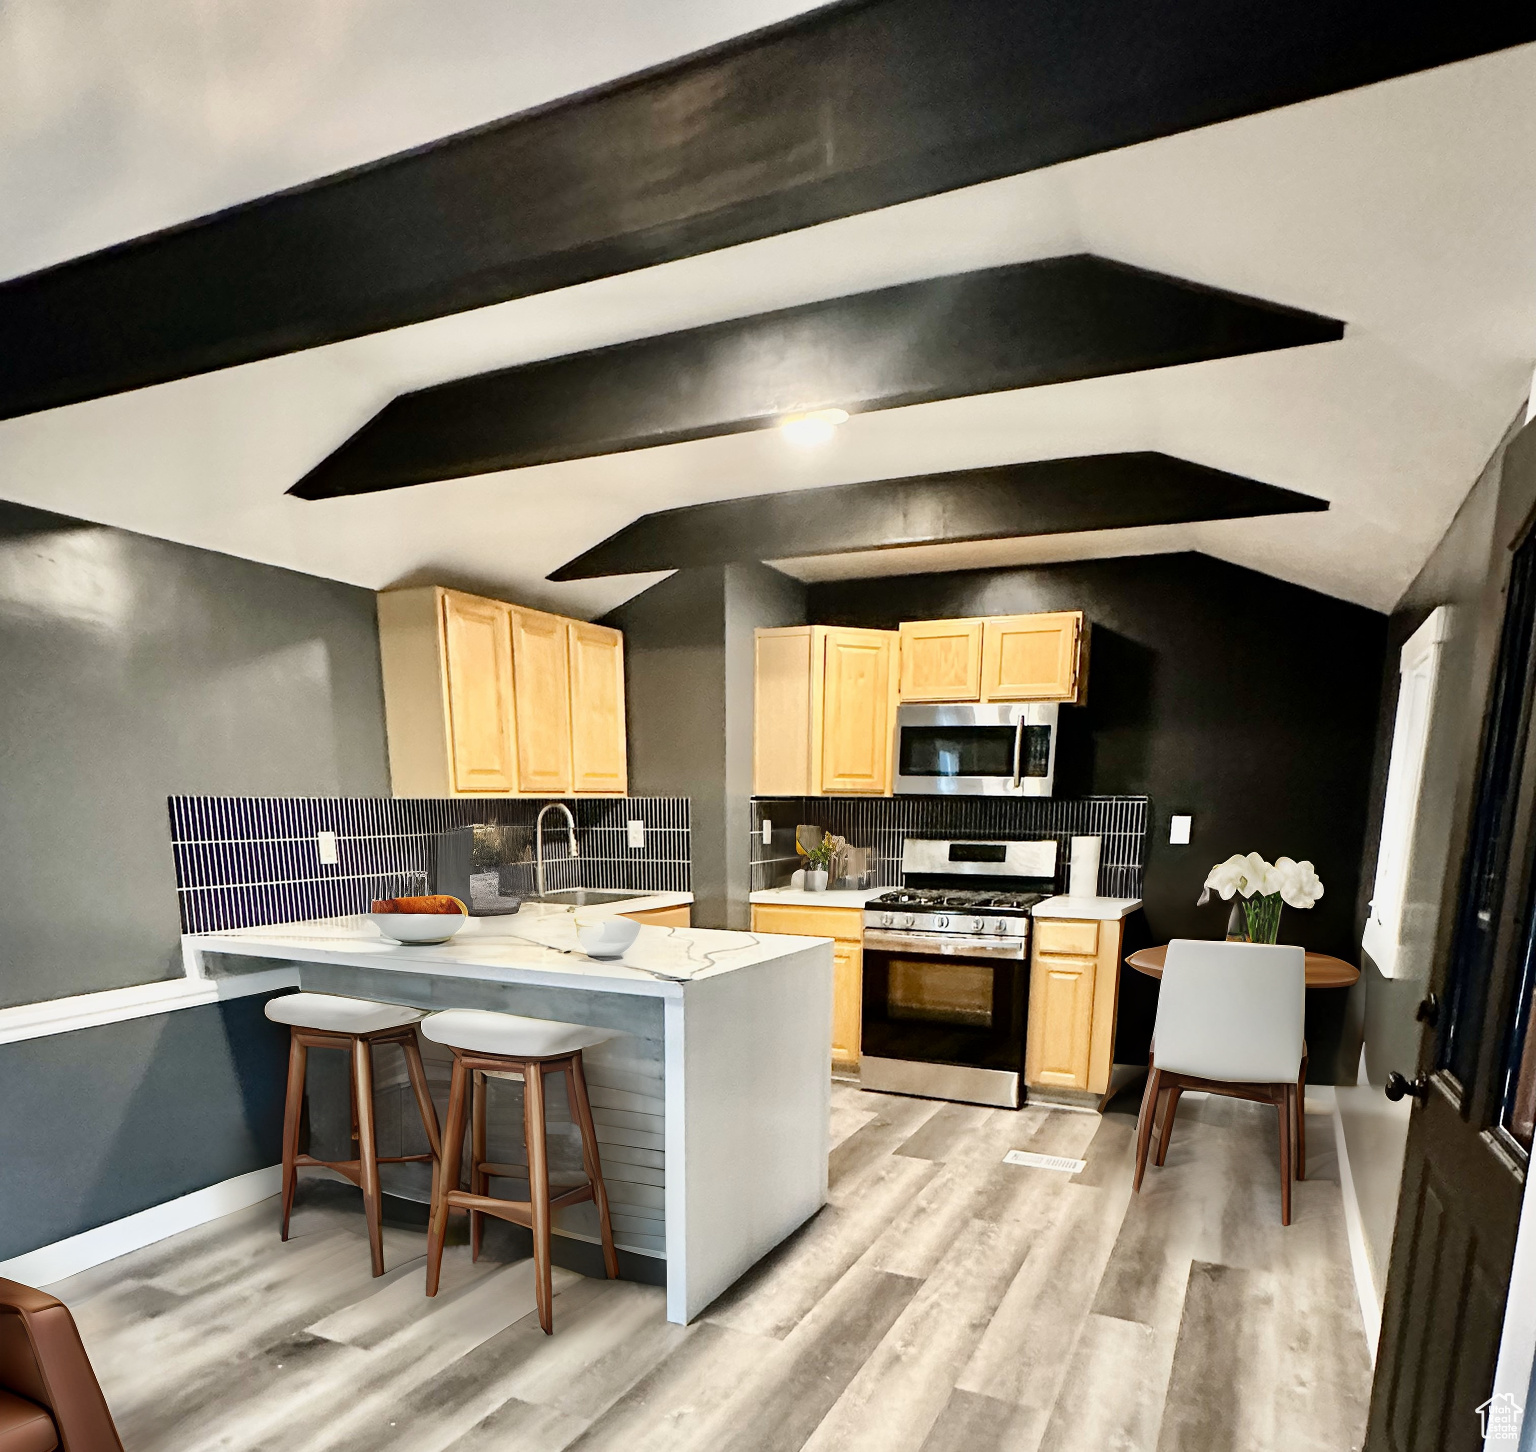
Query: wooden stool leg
[448, 1173]
[1144, 1123]
[1282, 1096]
[479, 1181]
[1170, 1108]
[368, 1149]
[538, 1190]
[293, 1113]
[581, 1107]
[428, 1111]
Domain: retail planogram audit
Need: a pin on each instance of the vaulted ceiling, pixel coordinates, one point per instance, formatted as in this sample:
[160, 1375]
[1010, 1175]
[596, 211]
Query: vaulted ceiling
[1404, 208]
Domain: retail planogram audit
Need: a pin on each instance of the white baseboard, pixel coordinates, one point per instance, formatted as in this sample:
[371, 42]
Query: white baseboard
[1360, 1261]
[50, 1263]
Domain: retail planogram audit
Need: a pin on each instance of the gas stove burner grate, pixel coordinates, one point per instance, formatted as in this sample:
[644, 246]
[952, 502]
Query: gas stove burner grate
[939, 899]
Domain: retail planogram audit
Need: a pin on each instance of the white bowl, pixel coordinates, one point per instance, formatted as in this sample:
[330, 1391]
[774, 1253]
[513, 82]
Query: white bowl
[418, 927]
[607, 937]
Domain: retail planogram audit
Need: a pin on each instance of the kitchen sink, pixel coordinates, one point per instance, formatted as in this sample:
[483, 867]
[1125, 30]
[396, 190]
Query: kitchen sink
[586, 897]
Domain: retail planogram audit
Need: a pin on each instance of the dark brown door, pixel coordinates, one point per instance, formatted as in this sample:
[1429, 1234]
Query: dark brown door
[1470, 1134]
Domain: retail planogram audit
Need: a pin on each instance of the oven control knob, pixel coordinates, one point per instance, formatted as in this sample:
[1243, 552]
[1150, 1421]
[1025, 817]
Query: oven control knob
[942, 921]
[907, 920]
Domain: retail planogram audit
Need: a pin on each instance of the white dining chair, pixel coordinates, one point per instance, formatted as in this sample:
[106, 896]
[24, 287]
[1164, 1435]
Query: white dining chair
[1230, 1020]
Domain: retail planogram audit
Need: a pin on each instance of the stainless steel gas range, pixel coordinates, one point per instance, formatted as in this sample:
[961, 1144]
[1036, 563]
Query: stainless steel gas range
[946, 970]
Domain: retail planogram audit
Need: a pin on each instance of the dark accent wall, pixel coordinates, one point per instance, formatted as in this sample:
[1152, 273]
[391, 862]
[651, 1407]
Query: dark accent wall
[1214, 690]
[688, 663]
[133, 669]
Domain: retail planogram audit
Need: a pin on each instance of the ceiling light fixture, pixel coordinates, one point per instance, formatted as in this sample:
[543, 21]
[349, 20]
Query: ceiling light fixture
[810, 429]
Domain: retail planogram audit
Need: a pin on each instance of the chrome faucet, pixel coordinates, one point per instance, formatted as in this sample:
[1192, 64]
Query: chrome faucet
[538, 841]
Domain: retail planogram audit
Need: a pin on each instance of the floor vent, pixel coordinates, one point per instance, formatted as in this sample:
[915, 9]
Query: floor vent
[1045, 1162]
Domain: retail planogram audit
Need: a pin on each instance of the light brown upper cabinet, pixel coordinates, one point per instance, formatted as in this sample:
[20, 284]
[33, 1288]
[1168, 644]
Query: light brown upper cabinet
[941, 660]
[1031, 657]
[478, 656]
[856, 711]
[599, 762]
[995, 658]
[541, 672]
[823, 711]
[479, 697]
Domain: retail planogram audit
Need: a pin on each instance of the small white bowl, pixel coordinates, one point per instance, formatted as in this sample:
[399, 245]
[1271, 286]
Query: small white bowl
[607, 937]
[418, 927]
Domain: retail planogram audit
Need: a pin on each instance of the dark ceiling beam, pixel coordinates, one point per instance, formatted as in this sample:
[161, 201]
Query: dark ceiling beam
[1052, 496]
[1019, 326]
[850, 108]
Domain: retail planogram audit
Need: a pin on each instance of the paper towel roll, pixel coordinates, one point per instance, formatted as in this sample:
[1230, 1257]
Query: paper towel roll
[1083, 880]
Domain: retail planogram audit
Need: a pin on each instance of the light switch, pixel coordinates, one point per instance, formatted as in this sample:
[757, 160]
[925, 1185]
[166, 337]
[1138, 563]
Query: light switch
[767, 833]
[326, 842]
[636, 835]
[1178, 831]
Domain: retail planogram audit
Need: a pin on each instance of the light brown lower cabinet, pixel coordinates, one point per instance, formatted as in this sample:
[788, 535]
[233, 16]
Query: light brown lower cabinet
[845, 926]
[680, 916]
[1074, 996]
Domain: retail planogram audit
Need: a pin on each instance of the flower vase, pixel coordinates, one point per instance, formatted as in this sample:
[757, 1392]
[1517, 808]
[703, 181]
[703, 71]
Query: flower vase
[1262, 914]
[815, 879]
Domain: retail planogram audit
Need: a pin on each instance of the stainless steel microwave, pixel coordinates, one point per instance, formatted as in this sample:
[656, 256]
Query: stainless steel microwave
[977, 751]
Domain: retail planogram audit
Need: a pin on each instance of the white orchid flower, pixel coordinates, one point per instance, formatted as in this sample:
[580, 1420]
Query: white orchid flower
[1300, 885]
[1259, 877]
[1228, 877]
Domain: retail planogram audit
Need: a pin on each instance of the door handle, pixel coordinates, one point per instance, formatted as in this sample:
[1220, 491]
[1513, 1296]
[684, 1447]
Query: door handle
[1429, 1011]
[1018, 751]
[1398, 1087]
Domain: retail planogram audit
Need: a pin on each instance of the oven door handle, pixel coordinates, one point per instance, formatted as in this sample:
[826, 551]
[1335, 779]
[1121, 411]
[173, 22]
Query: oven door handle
[946, 945]
[1018, 752]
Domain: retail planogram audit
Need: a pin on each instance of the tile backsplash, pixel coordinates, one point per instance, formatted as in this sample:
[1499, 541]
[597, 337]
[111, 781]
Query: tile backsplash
[884, 823]
[245, 861]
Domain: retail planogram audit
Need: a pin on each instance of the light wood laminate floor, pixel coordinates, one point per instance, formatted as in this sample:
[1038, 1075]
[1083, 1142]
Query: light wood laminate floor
[942, 1302]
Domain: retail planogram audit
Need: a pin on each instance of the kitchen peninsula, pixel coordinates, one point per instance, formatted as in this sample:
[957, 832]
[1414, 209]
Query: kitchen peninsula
[729, 1030]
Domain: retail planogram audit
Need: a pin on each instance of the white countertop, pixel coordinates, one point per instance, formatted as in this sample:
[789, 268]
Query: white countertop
[1103, 909]
[831, 898]
[537, 945]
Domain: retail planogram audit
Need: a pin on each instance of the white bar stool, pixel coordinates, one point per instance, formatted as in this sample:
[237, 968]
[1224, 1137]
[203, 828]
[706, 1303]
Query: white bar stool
[530, 1049]
[354, 1025]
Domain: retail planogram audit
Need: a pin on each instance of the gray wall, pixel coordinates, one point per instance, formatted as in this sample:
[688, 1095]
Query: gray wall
[132, 669]
[1467, 571]
[688, 661]
[135, 668]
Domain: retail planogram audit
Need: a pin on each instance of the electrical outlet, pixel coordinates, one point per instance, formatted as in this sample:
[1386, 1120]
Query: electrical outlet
[767, 833]
[326, 842]
[1178, 831]
[636, 835]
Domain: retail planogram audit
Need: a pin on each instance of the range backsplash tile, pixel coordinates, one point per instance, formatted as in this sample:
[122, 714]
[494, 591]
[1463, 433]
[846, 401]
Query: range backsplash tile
[245, 861]
[884, 823]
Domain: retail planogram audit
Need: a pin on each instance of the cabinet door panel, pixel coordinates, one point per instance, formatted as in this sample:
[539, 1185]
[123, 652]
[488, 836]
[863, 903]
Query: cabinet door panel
[541, 675]
[845, 924]
[781, 713]
[477, 649]
[847, 1002]
[1059, 1037]
[941, 660]
[856, 712]
[1031, 657]
[598, 759]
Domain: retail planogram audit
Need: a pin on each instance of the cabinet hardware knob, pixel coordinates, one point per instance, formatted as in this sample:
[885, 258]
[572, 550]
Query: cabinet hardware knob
[1428, 1010]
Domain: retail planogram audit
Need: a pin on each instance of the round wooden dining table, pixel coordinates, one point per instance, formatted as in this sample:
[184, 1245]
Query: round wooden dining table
[1322, 970]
